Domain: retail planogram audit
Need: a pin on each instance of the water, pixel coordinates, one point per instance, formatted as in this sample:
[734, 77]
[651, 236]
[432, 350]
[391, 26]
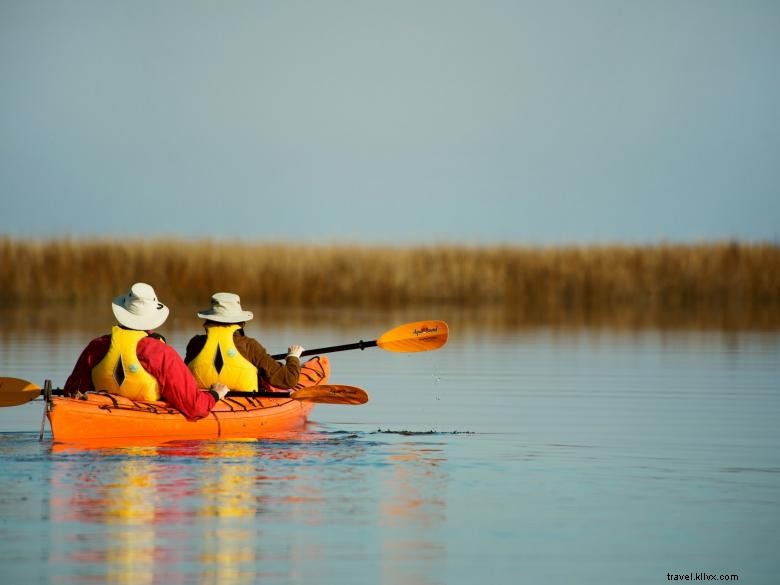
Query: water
[533, 456]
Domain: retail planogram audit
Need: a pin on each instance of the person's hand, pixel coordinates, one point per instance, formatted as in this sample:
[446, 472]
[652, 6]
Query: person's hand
[220, 389]
[295, 350]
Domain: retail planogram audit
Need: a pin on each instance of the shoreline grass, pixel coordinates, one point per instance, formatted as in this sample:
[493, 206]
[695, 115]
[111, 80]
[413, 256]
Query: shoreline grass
[718, 277]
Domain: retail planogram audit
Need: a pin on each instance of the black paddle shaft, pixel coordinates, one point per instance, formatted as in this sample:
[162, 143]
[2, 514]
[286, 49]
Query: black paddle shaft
[334, 348]
[231, 394]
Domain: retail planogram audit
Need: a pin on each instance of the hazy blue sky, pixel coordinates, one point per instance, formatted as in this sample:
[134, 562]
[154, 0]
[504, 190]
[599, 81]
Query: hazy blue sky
[398, 121]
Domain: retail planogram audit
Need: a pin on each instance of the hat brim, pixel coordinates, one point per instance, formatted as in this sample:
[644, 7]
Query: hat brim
[241, 317]
[139, 322]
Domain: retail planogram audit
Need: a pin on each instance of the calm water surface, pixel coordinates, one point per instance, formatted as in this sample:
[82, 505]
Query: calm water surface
[542, 456]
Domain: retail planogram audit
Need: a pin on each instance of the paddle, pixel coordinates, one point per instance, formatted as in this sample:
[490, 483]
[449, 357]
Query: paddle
[14, 391]
[322, 394]
[411, 337]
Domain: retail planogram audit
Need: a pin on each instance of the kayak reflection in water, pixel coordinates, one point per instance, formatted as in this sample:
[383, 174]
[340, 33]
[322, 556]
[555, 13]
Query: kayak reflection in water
[226, 355]
[135, 362]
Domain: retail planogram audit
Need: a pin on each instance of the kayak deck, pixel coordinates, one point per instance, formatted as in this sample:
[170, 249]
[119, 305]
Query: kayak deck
[106, 416]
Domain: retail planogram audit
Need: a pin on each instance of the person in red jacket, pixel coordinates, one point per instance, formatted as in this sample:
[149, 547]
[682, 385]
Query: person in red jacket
[135, 362]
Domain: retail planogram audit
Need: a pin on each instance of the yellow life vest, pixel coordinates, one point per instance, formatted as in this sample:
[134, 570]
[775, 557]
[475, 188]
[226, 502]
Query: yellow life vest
[220, 361]
[120, 372]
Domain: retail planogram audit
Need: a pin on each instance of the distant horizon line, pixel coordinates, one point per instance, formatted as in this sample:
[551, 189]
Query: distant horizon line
[390, 242]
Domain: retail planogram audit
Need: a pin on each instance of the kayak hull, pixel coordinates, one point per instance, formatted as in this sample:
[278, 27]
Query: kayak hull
[103, 416]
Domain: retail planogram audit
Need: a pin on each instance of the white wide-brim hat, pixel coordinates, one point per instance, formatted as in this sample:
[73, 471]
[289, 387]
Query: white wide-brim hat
[139, 308]
[225, 308]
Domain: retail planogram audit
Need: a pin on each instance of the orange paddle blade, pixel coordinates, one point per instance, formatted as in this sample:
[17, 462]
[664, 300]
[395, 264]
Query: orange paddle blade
[15, 391]
[419, 336]
[331, 394]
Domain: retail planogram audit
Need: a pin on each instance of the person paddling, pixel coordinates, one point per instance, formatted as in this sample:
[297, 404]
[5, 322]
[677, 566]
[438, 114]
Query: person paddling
[135, 362]
[227, 355]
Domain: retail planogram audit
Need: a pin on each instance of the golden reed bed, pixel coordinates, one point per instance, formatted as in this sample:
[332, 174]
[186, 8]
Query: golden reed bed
[729, 280]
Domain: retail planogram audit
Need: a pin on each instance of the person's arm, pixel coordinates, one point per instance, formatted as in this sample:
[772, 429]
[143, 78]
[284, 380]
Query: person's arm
[177, 385]
[268, 369]
[194, 347]
[80, 380]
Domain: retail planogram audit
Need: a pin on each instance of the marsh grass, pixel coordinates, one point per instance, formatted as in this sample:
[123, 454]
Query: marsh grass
[732, 281]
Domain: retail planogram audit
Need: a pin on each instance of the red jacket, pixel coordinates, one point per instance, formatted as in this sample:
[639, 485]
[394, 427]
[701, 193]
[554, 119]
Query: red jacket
[177, 386]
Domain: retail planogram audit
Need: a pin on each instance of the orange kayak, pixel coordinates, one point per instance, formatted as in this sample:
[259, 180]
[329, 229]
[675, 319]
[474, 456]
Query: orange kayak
[104, 416]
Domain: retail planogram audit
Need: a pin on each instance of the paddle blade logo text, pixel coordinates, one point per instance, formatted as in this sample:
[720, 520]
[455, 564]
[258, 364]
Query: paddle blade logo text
[425, 331]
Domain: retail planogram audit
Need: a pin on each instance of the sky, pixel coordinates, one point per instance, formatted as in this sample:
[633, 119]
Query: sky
[395, 122]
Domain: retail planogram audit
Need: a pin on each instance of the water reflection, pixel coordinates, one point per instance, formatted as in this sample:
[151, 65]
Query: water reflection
[414, 505]
[226, 493]
[148, 508]
[563, 445]
[122, 498]
[232, 512]
[92, 320]
[411, 471]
